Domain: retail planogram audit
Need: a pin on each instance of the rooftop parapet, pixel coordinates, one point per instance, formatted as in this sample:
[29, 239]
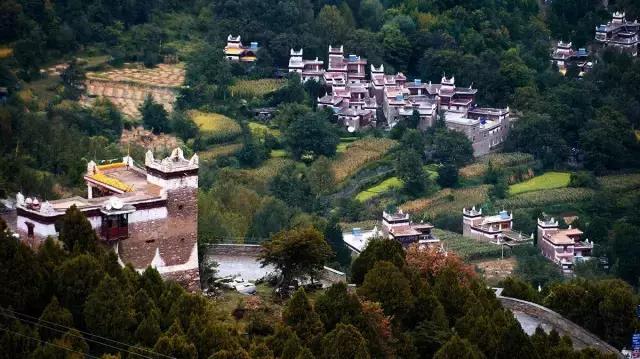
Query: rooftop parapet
[548, 222]
[174, 163]
[473, 212]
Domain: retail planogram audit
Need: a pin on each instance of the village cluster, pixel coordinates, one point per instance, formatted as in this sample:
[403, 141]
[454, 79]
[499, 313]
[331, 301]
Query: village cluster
[619, 33]
[565, 247]
[357, 97]
[148, 213]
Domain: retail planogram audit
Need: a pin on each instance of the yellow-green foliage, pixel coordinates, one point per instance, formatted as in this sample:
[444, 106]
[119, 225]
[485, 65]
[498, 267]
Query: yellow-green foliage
[546, 198]
[260, 177]
[497, 159]
[220, 150]
[620, 182]
[260, 130]
[215, 127]
[384, 186]
[448, 201]
[549, 180]
[358, 154]
[255, 88]
[5, 52]
[214, 122]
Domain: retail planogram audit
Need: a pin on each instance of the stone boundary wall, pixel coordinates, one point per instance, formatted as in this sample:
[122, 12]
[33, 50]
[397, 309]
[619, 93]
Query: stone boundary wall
[229, 249]
[581, 337]
[333, 276]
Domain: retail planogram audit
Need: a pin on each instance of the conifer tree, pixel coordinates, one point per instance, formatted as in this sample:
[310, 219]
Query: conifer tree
[148, 330]
[108, 311]
[300, 315]
[54, 313]
[457, 348]
[76, 232]
[345, 341]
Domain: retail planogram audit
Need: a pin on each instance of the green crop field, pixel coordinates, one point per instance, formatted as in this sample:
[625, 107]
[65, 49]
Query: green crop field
[467, 248]
[549, 180]
[260, 130]
[360, 153]
[255, 88]
[384, 186]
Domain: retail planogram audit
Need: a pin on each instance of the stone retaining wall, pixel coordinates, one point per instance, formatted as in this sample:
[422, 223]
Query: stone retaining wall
[233, 249]
[581, 337]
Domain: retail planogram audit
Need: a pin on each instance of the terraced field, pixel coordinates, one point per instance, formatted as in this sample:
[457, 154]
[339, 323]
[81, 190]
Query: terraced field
[384, 186]
[216, 127]
[497, 159]
[467, 248]
[127, 88]
[220, 151]
[360, 153]
[448, 201]
[255, 88]
[549, 180]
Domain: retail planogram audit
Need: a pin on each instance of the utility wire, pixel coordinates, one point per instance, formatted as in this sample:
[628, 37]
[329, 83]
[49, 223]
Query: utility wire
[66, 332]
[48, 343]
[37, 321]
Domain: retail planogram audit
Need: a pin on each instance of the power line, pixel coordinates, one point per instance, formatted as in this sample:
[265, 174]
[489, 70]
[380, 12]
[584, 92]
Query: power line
[86, 334]
[66, 332]
[48, 343]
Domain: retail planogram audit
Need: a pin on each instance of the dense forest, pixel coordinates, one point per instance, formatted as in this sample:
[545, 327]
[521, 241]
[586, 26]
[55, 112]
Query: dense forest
[261, 182]
[81, 303]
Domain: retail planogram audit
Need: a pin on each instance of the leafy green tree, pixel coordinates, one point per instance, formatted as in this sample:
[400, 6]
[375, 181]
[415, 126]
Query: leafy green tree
[371, 14]
[539, 135]
[626, 252]
[182, 125]
[311, 135]
[500, 189]
[378, 249]
[253, 152]
[517, 288]
[292, 92]
[345, 341]
[73, 78]
[291, 186]
[458, 348]
[108, 310]
[607, 140]
[331, 25]
[449, 146]
[448, 175]
[208, 75]
[295, 253]
[305, 353]
[272, 217]
[397, 48]
[321, 176]
[333, 235]
[154, 116]
[409, 170]
[302, 318]
[386, 284]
